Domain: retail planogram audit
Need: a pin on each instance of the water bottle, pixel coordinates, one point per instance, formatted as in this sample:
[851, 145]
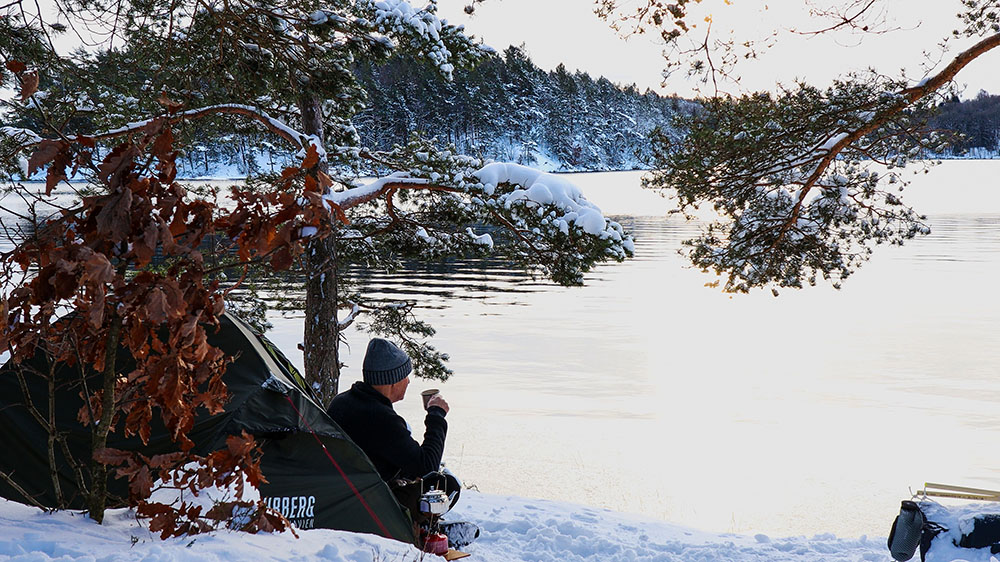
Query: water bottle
[904, 538]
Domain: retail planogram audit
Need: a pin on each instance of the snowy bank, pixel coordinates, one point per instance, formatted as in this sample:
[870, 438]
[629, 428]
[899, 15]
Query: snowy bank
[514, 529]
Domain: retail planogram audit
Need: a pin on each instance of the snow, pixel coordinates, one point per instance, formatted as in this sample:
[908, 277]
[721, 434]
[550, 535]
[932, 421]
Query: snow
[480, 239]
[22, 136]
[958, 519]
[544, 189]
[400, 16]
[514, 529]
[421, 233]
[346, 197]
[832, 142]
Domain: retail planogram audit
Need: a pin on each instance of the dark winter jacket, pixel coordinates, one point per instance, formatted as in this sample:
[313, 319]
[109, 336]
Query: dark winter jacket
[369, 420]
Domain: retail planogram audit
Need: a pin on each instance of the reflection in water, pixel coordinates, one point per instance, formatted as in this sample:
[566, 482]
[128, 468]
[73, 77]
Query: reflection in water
[493, 281]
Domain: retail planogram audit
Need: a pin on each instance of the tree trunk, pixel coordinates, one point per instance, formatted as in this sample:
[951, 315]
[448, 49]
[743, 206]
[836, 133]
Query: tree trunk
[321, 337]
[52, 429]
[97, 498]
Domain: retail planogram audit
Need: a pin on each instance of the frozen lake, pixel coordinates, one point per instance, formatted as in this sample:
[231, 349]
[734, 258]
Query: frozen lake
[646, 392]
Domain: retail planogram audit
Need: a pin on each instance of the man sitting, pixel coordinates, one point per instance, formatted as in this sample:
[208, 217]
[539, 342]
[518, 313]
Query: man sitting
[365, 413]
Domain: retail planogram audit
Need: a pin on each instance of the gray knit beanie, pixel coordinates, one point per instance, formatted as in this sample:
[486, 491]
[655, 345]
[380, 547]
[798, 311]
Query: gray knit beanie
[385, 363]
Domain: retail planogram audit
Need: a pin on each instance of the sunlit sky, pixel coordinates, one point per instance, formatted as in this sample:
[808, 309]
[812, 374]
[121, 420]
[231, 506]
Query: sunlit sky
[567, 31]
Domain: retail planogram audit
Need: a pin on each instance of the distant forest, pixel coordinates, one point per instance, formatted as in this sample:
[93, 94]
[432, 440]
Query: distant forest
[977, 120]
[509, 109]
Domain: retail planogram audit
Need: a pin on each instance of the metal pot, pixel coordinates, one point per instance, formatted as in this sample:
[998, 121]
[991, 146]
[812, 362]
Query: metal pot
[434, 502]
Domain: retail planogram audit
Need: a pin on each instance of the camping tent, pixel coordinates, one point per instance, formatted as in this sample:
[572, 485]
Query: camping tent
[316, 475]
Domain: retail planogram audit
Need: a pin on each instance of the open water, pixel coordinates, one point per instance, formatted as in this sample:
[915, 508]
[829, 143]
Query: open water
[645, 391]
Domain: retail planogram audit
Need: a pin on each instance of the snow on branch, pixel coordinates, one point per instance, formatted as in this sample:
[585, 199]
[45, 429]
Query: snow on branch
[542, 188]
[359, 195]
[547, 213]
[424, 29]
[24, 137]
[351, 316]
[534, 186]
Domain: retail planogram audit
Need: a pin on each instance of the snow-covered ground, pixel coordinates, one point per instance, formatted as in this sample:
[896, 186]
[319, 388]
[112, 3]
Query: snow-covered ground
[514, 529]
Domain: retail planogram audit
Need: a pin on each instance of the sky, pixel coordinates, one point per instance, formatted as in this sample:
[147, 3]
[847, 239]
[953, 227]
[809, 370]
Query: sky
[567, 31]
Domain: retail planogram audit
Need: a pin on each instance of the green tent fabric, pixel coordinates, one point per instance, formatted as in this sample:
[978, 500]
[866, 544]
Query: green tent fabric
[316, 475]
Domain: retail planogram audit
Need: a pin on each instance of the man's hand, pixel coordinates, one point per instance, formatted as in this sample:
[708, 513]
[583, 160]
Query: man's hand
[438, 401]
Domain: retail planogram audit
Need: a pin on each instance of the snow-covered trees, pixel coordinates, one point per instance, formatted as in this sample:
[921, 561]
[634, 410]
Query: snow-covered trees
[806, 180]
[507, 108]
[132, 256]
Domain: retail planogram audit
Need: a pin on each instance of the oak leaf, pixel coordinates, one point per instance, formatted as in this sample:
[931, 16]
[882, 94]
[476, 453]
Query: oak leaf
[117, 161]
[156, 307]
[311, 184]
[98, 269]
[140, 483]
[163, 145]
[171, 105]
[325, 180]
[29, 84]
[282, 259]
[224, 510]
[144, 247]
[240, 445]
[312, 157]
[57, 171]
[46, 152]
[114, 220]
[112, 457]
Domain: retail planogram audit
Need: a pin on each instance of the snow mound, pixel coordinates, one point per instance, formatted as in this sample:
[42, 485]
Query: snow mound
[513, 530]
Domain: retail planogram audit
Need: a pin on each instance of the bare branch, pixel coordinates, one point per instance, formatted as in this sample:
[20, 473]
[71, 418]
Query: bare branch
[27, 497]
[846, 19]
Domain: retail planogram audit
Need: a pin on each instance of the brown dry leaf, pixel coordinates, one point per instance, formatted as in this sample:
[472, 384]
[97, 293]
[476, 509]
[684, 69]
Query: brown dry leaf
[311, 184]
[338, 211]
[163, 145]
[325, 180]
[144, 247]
[221, 511]
[113, 220]
[46, 152]
[57, 171]
[29, 84]
[171, 105]
[98, 269]
[282, 259]
[240, 445]
[119, 159]
[154, 508]
[156, 307]
[112, 457]
[141, 483]
[312, 157]
[96, 314]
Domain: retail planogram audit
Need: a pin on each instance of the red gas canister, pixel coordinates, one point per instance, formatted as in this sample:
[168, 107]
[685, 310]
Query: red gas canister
[436, 543]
